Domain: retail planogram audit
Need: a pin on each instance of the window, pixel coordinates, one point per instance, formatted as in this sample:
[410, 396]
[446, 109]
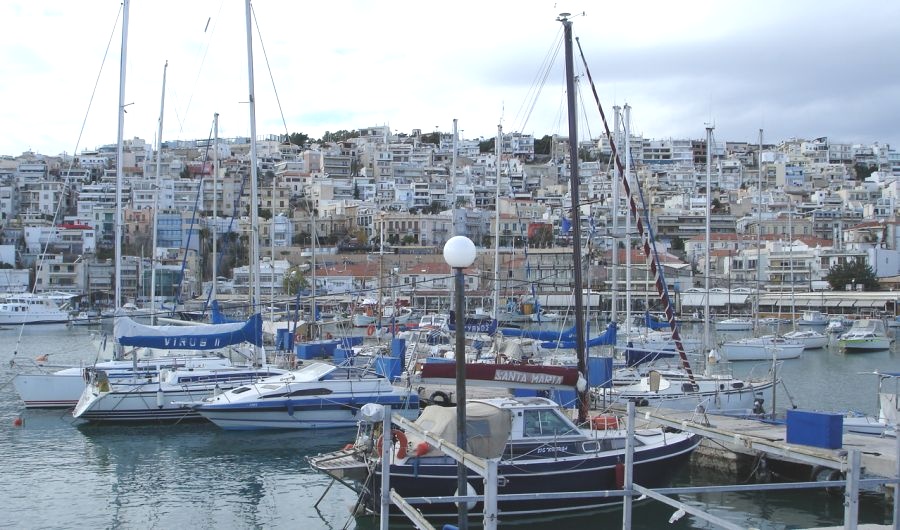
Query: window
[546, 423]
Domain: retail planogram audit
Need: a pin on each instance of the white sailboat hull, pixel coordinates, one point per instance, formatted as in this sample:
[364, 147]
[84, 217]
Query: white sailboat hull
[737, 397]
[760, 351]
[54, 390]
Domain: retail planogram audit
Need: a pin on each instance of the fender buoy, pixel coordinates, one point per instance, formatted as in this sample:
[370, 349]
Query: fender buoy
[601, 423]
[620, 475]
[348, 447]
[440, 398]
[400, 436]
[422, 449]
[371, 330]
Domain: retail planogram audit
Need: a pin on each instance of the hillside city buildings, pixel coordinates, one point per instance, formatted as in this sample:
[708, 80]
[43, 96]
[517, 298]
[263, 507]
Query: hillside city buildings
[783, 214]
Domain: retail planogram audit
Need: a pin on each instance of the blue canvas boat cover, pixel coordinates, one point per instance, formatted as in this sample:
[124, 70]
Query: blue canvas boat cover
[202, 337]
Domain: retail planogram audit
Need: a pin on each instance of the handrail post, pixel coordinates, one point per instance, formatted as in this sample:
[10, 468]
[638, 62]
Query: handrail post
[851, 492]
[627, 485]
[490, 495]
[387, 447]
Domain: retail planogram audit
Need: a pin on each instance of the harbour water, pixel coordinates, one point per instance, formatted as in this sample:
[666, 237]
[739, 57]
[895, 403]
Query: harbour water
[59, 474]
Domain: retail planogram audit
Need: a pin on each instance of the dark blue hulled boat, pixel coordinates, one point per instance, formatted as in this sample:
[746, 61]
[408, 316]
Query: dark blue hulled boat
[539, 450]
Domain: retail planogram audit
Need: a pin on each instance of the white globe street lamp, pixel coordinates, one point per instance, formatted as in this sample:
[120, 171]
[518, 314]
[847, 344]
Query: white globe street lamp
[459, 253]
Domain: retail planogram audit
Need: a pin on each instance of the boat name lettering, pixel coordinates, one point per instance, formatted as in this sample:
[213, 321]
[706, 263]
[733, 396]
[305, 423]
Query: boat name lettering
[192, 342]
[527, 377]
[552, 449]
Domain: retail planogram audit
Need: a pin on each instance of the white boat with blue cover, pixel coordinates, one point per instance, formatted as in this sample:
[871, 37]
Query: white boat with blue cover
[142, 399]
[316, 396]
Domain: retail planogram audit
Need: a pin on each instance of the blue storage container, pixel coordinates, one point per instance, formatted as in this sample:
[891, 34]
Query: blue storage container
[398, 349]
[816, 429]
[341, 355]
[318, 349]
[600, 372]
[388, 367]
[284, 339]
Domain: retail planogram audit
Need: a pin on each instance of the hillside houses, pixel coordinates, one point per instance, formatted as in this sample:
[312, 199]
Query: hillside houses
[821, 203]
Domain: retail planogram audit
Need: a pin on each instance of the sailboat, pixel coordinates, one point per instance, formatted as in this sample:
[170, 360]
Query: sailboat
[62, 387]
[159, 398]
[536, 446]
[810, 338]
[716, 391]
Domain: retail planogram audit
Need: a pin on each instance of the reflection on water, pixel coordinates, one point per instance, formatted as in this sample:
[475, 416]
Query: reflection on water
[59, 475]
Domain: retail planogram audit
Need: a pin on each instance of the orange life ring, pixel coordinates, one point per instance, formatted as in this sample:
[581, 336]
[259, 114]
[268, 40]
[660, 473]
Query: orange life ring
[401, 438]
[371, 330]
[601, 423]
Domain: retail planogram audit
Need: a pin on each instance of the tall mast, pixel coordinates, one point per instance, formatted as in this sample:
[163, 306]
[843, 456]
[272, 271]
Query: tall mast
[272, 256]
[254, 191]
[215, 213]
[706, 336]
[162, 106]
[120, 155]
[614, 212]
[498, 151]
[759, 181]
[453, 164]
[583, 399]
[628, 289]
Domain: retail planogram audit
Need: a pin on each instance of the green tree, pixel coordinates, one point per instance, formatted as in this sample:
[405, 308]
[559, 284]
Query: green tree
[678, 244]
[487, 146]
[300, 139]
[294, 281]
[543, 145]
[863, 171]
[853, 272]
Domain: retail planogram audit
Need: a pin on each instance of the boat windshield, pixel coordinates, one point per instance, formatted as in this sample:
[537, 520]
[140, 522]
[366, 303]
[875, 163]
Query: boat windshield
[547, 422]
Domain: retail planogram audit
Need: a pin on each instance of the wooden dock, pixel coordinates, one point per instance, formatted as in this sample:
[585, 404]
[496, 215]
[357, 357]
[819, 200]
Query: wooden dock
[752, 438]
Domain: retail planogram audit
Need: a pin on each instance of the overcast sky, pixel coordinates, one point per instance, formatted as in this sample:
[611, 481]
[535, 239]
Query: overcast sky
[795, 69]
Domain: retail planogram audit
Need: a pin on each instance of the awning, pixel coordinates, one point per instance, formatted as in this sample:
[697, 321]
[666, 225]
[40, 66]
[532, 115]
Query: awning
[834, 303]
[869, 303]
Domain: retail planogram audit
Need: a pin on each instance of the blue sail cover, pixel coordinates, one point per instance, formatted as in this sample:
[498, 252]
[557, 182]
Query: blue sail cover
[474, 325]
[653, 323]
[203, 337]
[217, 317]
[607, 338]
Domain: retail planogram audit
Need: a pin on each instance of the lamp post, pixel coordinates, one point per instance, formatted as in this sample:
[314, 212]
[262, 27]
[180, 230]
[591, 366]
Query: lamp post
[459, 253]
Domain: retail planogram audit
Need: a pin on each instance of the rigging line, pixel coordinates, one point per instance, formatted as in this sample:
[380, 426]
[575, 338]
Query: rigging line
[539, 84]
[540, 80]
[187, 243]
[187, 108]
[649, 245]
[62, 195]
[274, 88]
[580, 94]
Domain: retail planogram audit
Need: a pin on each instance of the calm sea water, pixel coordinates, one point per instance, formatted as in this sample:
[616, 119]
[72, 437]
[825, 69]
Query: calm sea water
[59, 474]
